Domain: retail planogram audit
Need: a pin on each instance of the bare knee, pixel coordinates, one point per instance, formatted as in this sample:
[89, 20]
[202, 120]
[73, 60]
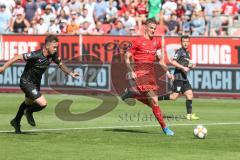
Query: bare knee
[174, 96]
[41, 101]
[189, 97]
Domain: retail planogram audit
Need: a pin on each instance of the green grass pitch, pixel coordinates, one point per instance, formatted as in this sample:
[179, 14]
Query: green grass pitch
[126, 133]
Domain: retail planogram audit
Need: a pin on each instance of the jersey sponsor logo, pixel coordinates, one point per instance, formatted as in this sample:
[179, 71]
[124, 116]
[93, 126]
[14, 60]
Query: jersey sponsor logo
[154, 43]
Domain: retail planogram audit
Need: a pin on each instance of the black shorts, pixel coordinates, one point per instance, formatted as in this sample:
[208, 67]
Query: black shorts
[31, 90]
[181, 86]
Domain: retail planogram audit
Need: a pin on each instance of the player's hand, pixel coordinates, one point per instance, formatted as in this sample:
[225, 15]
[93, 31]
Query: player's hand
[186, 69]
[74, 75]
[2, 69]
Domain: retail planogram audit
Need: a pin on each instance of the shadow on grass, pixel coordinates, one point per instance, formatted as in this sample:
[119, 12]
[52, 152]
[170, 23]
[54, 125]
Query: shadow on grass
[128, 131]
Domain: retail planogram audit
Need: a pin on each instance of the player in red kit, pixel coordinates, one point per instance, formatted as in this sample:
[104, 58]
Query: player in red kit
[144, 52]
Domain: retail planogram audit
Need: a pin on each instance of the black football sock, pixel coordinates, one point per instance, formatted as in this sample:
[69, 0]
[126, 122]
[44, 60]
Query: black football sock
[20, 112]
[189, 106]
[35, 108]
[165, 97]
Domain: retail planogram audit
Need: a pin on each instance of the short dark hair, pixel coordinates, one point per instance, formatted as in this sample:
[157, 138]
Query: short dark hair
[151, 20]
[184, 37]
[51, 38]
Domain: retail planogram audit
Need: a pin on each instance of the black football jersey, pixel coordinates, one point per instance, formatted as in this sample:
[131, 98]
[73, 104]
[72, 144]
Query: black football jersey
[36, 65]
[182, 56]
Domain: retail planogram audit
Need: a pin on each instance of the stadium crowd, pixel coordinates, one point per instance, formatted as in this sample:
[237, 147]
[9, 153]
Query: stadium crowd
[120, 17]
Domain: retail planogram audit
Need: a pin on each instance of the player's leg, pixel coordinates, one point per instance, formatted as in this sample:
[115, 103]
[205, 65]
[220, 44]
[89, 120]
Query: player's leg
[153, 103]
[172, 96]
[177, 86]
[189, 98]
[38, 105]
[16, 121]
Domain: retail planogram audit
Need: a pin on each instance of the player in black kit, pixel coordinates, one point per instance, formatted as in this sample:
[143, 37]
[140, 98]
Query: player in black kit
[182, 62]
[37, 63]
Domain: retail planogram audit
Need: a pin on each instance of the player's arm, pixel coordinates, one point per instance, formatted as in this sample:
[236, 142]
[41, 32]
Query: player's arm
[63, 67]
[10, 62]
[162, 63]
[127, 59]
[178, 65]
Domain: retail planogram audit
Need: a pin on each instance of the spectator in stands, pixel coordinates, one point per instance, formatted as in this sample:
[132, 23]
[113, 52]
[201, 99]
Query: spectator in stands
[180, 11]
[75, 5]
[62, 16]
[54, 3]
[48, 15]
[100, 10]
[118, 30]
[212, 6]
[90, 5]
[5, 18]
[85, 30]
[192, 6]
[53, 27]
[64, 6]
[31, 8]
[10, 4]
[215, 24]
[154, 8]
[141, 10]
[132, 8]
[111, 13]
[168, 8]
[73, 26]
[33, 27]
[98, 29]
[42, 27]
[63, 26]
[19, 24]
[18, 8]
[172, 25]
[185, 25]
[197, 24]
[128, 21]
[41, 3]
[87, 17]
[132, 31]
[229, 13]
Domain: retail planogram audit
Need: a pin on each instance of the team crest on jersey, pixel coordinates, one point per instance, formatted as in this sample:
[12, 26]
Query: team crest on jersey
[34, 92]
[40, 60]
[28, 55]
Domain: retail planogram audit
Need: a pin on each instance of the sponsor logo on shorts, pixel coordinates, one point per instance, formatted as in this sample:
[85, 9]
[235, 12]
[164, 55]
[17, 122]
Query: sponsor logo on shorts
[179, 88]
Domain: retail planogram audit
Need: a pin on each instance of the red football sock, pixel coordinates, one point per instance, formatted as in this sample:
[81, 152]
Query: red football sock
[159, 116]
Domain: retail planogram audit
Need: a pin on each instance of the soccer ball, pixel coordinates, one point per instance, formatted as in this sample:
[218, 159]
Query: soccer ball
[200, 132]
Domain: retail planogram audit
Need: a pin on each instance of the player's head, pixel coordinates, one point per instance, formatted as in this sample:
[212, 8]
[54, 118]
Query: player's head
[151, 26]
[185, 41]
[51, 43]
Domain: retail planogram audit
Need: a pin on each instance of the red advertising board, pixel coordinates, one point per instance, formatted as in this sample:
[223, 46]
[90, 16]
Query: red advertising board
[218, 58]
[206, 51]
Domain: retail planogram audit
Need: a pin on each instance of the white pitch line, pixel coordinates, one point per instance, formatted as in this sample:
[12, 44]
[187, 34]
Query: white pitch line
[116, 127]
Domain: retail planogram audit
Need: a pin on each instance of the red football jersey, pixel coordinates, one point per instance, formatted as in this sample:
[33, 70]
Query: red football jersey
[144, 54]
[144, 50]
